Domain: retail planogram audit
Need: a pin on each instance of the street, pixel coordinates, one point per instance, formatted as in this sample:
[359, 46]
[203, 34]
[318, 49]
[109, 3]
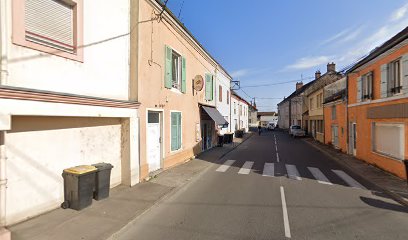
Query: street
[273, 187]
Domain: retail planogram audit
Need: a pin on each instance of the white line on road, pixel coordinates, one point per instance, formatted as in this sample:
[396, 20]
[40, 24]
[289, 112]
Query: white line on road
[320, 177]
[285, 213]
[277, 156]
[349, 180]
[269, 170]
[225, 166]
[246, 168]
[293, 172]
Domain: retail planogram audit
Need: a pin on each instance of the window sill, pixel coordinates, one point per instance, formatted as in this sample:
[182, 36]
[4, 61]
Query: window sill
[387, 156]
[176, 90]
[176, 151]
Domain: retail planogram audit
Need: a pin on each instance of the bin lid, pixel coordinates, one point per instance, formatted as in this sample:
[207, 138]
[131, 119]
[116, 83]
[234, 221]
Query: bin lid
[82, 169]
[103, 166]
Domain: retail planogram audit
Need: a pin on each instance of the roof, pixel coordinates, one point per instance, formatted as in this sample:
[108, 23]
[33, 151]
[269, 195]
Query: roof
[267, 114]
[298, 91]
[233, 93]
[401, 36]
[190, 34]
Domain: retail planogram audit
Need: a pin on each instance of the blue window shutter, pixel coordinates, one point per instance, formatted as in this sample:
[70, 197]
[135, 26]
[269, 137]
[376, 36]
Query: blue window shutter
[174, 131]
[168, 67]
[359, 88]
[404, 70]
[208, 83]
[384, 81]
[183, 75]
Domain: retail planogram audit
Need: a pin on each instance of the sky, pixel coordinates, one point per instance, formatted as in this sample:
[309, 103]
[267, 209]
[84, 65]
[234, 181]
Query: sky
[263, 43]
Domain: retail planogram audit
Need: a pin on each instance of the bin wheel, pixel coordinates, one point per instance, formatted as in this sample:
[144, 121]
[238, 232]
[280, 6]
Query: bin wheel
[65, 205]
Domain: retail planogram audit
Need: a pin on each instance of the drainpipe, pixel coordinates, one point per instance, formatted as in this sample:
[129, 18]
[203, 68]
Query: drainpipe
[3, 180]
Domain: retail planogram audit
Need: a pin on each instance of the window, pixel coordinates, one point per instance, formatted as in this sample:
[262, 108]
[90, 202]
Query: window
[311, 103]
[335, 136]
[235, 108]
[228, 97]
[240, 110]
[333, 115]
[51, 26]
[175, 70]
[388, 139]
[367, 86]
[176, 133]
[394, 77]
[220, 93]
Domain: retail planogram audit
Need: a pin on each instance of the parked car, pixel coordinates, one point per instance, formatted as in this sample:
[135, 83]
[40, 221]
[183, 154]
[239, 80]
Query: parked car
[271, 126]
[296, 131]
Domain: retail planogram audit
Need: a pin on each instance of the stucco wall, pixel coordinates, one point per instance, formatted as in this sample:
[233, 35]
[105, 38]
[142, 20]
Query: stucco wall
[39, 148]
[153, 36]
[340, 121]
[104, 71]
[223, 107]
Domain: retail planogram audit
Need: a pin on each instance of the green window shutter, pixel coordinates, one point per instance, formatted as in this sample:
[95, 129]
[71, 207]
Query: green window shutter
[183, 75]
[174, 131]
[168, 67]
[208, 83]
[212, 88]
[384, 81]
[179, 130]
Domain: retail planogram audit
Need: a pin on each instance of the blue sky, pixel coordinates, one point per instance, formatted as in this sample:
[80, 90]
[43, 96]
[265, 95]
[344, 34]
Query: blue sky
[269, 41]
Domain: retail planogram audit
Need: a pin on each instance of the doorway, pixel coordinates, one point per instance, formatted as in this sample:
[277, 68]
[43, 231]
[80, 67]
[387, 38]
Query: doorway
[353, 139]
[153, 140]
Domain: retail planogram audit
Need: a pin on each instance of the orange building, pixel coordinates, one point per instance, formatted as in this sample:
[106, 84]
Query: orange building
[335, 115]
[378, 106]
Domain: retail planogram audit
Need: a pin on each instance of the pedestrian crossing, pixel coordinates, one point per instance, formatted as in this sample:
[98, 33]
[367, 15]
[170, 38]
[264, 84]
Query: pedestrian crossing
[292, 172]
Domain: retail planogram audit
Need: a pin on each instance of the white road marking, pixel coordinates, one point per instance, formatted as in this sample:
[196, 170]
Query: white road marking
[285, 213]
[225, 166]
[320, 177]
[349, 180]
[276, 147]
[269, 170]
[293, 172]
[246, 168]
[277, 156]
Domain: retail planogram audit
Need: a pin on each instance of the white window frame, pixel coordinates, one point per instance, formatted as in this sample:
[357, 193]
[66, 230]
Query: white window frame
[174, 85]
[367, 86]
[401, 140]
[395, 89]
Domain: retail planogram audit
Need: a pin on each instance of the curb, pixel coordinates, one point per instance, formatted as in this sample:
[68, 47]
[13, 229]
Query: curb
[173, 191]
[394, 196]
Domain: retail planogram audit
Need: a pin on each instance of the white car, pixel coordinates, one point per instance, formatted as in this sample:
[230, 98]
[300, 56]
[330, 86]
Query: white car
[296, 131]
[271, 126]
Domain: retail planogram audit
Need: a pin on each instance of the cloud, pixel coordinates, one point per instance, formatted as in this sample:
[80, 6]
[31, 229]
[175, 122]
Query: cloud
[399, 13]
[240, 73]
[308, 62]
[344, 36]
[336, 37]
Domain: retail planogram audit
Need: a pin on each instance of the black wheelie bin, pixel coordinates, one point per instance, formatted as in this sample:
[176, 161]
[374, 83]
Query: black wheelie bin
[102, 180]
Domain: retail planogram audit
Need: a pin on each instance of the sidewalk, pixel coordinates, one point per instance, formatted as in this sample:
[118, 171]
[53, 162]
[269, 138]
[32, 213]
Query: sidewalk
[105, 218]
[395, 187]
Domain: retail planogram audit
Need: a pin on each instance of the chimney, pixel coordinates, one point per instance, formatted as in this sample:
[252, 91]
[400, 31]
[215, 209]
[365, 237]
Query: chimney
[331, 67]
[299, 85]
[317, 74]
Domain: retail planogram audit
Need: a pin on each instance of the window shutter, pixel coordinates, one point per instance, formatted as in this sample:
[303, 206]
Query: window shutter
[179, 130]
[208, 83]
[384, 81]
[50, 23]
[404, 66]
[212, 88]
[168, 68]
[183, 75]
[174, 131]
[359, 88]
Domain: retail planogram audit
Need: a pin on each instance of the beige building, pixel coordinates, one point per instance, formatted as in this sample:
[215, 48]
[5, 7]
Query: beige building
[176, 86]
[64, 99]
[313, 102]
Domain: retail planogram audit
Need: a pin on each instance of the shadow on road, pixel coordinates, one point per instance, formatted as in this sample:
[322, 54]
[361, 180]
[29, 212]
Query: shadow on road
[384, 205]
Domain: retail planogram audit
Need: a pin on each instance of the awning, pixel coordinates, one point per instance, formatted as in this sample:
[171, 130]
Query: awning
[215, 115]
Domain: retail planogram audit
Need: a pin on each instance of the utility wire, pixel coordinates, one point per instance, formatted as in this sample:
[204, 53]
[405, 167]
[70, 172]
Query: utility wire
[279, 83]
[181, 8]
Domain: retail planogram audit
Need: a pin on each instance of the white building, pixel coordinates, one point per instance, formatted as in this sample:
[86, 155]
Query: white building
[223, 98]
[64, 99]
[239, 113]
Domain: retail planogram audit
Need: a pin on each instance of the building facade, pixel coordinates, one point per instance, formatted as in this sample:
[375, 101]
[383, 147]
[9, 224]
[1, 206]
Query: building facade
[64, 99]
[223, 98]
[313, 96]
[267, 117]
[177, 86]
[252, 116]
[239, 113]
[335, 114]
[377, 106]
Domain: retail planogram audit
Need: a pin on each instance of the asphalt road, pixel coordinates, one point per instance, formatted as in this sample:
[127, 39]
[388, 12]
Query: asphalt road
[267, 189]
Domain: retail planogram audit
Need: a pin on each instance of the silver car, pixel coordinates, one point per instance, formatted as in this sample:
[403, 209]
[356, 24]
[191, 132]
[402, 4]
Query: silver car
[296, 131]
